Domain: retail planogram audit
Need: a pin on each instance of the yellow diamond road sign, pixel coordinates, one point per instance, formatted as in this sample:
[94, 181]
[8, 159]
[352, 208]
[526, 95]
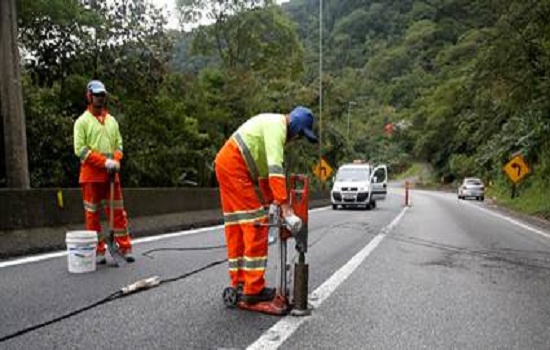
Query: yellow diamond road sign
[322, 170]
[517, 169]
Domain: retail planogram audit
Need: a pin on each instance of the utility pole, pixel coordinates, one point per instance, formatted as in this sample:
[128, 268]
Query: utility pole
[321, 87]
[11, 100]
[350, 103]
[320, 79]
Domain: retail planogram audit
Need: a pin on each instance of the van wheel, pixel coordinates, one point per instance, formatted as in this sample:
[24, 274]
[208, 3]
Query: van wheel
[335, 207]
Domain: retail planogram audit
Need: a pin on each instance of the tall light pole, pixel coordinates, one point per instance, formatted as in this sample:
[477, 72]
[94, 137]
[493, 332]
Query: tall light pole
[321, 87]
[350, 103]
[320, 79]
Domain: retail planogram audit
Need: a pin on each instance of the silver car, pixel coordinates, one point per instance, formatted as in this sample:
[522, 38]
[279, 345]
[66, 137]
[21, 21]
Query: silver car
[472, 187]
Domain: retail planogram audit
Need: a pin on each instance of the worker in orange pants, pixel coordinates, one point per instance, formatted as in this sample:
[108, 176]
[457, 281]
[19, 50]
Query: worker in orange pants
[254, 155]
[96, 196]
[98, 144]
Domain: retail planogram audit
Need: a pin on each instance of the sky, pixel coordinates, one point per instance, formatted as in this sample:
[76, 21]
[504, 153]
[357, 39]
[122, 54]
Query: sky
[170, 6]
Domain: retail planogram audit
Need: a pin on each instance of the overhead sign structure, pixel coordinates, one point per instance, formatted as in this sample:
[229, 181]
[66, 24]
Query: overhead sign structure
[517, 169]
[322, 170]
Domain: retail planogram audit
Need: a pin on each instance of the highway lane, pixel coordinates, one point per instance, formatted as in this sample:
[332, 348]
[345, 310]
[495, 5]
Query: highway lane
[447, 275]
[187, 313]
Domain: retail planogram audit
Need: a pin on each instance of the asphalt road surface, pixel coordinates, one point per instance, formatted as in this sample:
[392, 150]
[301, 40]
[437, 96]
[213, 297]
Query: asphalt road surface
[440, 274]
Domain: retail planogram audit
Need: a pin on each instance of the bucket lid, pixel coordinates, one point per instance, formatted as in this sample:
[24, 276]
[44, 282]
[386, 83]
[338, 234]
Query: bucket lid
[82, 234]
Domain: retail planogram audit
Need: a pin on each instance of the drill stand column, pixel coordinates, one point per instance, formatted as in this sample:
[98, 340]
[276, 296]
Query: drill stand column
[299, 199]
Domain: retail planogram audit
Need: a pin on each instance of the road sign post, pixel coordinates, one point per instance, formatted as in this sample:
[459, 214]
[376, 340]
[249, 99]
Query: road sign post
[516, 169]
[322, 171]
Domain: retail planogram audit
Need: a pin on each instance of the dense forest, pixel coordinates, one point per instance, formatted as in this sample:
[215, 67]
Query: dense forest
[462, 83]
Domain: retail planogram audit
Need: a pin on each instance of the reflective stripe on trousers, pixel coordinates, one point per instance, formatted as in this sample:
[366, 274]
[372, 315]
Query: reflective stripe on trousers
[246, 245]
[96, 196]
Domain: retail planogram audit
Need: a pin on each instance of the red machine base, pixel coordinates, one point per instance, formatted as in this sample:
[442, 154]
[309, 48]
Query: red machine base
[279, 306]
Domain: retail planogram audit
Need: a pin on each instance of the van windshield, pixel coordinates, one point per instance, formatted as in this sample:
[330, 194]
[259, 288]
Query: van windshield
[352, 175]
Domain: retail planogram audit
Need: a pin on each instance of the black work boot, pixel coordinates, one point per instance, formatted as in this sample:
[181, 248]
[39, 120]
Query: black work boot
[267, 294]
[100, 259]
[129, 258]
[240, 288]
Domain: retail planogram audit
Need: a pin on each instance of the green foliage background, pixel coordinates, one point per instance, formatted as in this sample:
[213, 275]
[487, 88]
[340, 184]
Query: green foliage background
[464, 83]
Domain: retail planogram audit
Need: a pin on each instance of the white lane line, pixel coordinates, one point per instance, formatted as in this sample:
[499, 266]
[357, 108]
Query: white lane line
[41, 257]
[194, 231]
[495, 214]
[175, 234]
[32, 259]
[513, 221]
[282, 330]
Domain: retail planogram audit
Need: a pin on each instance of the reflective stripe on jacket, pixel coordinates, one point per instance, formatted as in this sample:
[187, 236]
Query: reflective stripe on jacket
[261, 141]
[94, 142]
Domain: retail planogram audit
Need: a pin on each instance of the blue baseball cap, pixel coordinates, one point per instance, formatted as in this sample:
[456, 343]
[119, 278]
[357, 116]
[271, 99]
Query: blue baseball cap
[96, 87]
[301, 122]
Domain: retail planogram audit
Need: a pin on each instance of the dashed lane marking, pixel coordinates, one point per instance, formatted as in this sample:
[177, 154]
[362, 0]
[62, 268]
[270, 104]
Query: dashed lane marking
[282, 330]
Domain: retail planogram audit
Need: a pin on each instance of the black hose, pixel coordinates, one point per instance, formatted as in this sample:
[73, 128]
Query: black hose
[148, 252]
[109, 298]
[119, 294]
[180, 277]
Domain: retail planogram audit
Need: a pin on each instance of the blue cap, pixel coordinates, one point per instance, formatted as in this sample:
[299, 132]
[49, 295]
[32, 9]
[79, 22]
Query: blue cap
[301, 122]
[96, 87]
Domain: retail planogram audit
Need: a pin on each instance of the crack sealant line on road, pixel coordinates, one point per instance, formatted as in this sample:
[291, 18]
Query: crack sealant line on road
[282, 330]
[41, 257]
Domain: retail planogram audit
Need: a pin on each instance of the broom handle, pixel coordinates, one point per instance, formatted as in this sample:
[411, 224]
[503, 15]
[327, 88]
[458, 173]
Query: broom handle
[112, 203]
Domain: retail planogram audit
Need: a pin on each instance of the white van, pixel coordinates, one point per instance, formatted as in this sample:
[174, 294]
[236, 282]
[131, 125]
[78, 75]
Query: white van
[359, 185]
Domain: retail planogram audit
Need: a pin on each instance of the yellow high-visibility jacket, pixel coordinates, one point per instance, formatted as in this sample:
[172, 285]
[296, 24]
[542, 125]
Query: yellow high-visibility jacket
[261, 141]
[95, 140]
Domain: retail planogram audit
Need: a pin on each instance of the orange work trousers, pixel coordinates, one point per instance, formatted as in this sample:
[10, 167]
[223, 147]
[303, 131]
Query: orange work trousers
[97, 196]
[247, 245]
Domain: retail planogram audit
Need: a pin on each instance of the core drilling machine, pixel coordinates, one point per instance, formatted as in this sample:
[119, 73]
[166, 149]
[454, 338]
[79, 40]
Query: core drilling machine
[284, 303]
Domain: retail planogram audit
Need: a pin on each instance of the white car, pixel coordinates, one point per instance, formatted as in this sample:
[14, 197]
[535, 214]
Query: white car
[472, 187]
[359, 185]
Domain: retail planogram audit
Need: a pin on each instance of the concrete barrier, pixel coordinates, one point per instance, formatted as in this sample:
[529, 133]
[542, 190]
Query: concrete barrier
[20, 209]
[32, 221]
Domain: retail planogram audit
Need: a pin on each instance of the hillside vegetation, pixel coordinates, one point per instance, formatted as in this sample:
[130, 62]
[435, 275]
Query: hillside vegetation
[464, 83]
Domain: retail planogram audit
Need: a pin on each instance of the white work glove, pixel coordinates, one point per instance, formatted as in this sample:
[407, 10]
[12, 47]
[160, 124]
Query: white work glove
[112, 166]
[293, 223]
[273, 212]
[272, 209]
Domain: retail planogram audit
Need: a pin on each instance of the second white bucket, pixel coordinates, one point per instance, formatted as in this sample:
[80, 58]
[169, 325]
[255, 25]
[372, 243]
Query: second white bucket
[81, 251]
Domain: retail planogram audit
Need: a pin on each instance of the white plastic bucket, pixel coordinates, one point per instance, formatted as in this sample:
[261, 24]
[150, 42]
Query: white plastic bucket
[81, 247]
